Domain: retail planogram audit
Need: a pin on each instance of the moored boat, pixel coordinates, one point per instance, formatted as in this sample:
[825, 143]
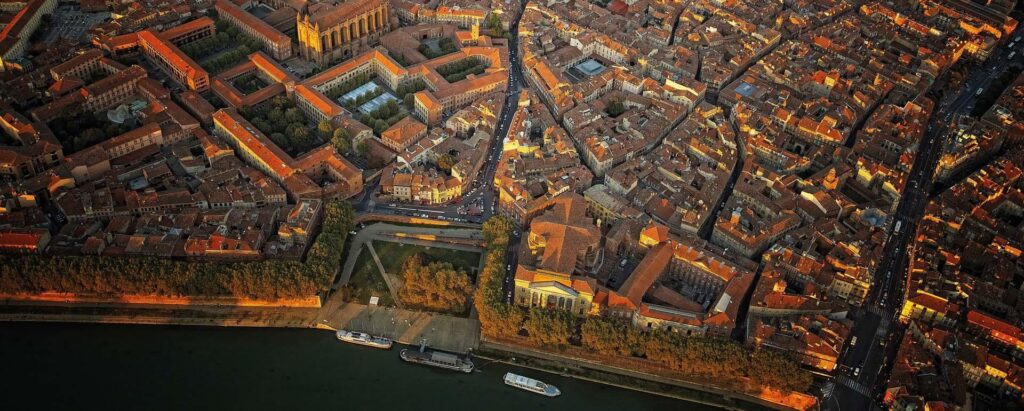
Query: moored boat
[532, 385]
[437, 359]
[355, 337]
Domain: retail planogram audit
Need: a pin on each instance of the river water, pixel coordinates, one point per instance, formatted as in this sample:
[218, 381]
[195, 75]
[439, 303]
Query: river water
[121, 367]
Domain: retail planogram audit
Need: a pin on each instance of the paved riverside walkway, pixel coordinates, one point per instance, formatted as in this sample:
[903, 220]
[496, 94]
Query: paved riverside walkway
[445, 332]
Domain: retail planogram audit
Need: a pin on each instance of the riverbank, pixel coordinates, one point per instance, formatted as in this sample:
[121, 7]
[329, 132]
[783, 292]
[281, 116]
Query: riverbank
[614, 380]
[622, 378]
[449, 333]
[311, 301]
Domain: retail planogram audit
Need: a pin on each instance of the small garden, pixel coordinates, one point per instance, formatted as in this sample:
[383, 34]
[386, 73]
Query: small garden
[285, 124]
[249, 83]
[383, 117]
[223, 50]
[392, 256]
[459, 70]
[444, 47]
[366, 281]
[84, 130]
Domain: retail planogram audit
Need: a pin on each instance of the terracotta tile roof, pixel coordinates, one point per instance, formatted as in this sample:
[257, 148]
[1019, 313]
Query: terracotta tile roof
[260, 26]
[567, 232]
[172, 55]
[646, 273]
[319, 101]
[930, 301]
[270, 68]
[247, 137]
[999, 329]
[173, 33]
[21, 237]
[61, 69]
[667, 314]
[404, 133]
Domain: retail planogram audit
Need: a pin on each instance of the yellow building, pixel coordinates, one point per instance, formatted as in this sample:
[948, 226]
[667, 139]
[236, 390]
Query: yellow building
[929, 308]
[331, 31]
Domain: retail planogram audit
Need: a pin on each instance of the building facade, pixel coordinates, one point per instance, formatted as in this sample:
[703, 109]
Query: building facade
[329, 32]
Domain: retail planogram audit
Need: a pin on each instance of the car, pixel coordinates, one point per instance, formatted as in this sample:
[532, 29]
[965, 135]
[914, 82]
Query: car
[856, 372]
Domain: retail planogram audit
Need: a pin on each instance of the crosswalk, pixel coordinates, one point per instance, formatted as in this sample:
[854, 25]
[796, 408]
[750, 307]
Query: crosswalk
[827, 390]
[876, 311]
[854, 385]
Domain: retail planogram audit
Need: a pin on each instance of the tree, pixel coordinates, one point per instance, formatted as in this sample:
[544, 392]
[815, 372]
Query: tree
[279, 139]
[606, 336]
[270, 280]
[496, 231]
[549, 327]
[500, 321]
[340, 140]
[436, 286]
[446, 162]
[325, 128]
[281, 102]
[293, 115]
[379, 126]
[409, 100]
[262, 125]
[773, 369]
[392, 107]
[276, 115]
[362, 148]
[112, 130]
[494, 22]
[300, 138]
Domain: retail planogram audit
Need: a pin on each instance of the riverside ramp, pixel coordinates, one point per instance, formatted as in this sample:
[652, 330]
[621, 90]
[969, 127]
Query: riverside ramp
[444, 332]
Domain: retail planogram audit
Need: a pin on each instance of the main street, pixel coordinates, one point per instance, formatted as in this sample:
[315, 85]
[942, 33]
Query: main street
[515, 84]
[862, 370]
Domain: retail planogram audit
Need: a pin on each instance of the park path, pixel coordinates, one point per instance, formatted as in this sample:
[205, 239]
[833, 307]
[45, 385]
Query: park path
[386, 232]
[388, 280]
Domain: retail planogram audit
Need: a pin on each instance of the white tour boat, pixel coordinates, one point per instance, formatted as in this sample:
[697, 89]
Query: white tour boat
[364, 339]
[530, 384]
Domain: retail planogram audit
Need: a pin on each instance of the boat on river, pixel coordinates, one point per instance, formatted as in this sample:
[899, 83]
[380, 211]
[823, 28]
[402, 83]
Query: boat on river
[532, 385]
[438, 359]
[368, 340]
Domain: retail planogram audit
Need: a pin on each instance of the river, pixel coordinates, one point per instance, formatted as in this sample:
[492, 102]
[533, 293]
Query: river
[120, 367]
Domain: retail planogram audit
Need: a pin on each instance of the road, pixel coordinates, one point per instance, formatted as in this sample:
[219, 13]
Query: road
[864, 365]
[515, 84]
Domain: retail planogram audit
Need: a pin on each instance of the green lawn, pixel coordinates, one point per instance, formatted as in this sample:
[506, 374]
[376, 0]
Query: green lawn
[392, 255]
[366, 281]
